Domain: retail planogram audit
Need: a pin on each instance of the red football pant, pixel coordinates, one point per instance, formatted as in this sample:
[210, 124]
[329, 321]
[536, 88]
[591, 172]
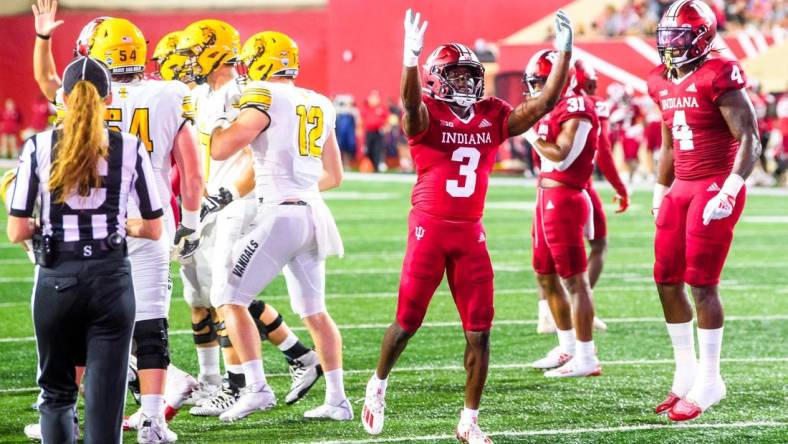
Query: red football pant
[630, 148]
[600, 221]
[560, 221]
[654, 136]
[685, 250]
[459, 249]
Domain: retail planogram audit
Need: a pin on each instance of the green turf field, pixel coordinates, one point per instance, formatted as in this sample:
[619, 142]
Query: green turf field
[425, 390]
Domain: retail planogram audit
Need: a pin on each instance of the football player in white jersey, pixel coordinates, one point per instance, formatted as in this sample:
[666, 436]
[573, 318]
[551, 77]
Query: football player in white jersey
[212, 48]
[291, 132]
[154, 112]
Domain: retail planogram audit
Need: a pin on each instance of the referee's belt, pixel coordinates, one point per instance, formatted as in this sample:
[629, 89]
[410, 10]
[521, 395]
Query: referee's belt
[112, 245]
[287, 202]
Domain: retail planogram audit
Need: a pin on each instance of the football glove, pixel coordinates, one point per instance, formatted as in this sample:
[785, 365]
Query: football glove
[188, 235]
[414, 39]
[563, 32]
[659, 193]
[215, 203]
[721, 205]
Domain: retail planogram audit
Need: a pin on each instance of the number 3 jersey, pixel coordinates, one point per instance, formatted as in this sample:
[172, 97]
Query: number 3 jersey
[287, 155]
[454, 158]
[703, 145]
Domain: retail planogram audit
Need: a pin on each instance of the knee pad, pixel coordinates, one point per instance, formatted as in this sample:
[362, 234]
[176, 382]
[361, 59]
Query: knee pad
[204, 338]
[152, 340]
[256, 309]
[221, 332]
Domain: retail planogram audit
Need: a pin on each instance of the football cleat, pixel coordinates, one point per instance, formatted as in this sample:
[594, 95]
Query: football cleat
[667, 404]
[372, 413]
[546, 324]
[341, 412]
[305, 372]
[470, 433]
[575, 369]
[700, 398]
[554, 358]
[216, 405]
[599, 324]
[202, 393]
[155, 431]
[250, 402]
[133, 422]
[178, 388]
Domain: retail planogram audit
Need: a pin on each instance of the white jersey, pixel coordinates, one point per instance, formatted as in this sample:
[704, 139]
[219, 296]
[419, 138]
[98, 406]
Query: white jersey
[207, 105]
[287, 155]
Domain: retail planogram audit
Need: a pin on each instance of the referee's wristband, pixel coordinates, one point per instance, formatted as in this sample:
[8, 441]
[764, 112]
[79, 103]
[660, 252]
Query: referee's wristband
[190, 219]
[43, 37]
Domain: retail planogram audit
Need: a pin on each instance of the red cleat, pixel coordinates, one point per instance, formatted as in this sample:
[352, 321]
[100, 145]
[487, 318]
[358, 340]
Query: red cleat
[667, 404]
[684, 410]
[169, 412]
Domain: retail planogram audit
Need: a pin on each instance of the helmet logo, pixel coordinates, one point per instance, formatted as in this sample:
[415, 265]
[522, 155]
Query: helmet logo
[126, 39]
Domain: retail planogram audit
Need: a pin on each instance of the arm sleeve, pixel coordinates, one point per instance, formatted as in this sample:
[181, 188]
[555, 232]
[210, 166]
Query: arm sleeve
[604, 158]
[26, 185]
[144, 186]
[730, 77]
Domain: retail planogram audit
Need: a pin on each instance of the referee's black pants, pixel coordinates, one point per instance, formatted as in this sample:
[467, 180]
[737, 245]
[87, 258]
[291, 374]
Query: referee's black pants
[83, 312]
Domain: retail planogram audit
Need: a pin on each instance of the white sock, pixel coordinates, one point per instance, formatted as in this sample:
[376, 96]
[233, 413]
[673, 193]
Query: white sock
[469, 415]
[709, 345]
[584, 351]
[376, 384]
[566, 339]
[289, 341]
[544, 309]
[255, 376]
[152, 405]
[335, 386]
[238, 369]
[684, 354]
[208, 359]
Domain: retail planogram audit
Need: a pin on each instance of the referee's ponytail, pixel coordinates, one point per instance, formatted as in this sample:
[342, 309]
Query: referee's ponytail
[83, 142]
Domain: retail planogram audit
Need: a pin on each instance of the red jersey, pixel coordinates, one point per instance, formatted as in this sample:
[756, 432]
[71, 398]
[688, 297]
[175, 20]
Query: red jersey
[580, 164]
[703, 145]
[604, 153]
[454, 158]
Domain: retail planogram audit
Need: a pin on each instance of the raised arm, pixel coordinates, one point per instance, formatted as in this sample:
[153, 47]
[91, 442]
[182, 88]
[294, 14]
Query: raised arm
[44, 69]
[529, 111]
[415, 118]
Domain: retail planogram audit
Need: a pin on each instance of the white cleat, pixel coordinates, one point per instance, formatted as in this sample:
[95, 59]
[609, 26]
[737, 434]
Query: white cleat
[216, 405]
[179, 387]
[250, 402]
[372, 413]
[154, 430]
[203, 393]
[305, 372]
[599, 324]
[133, 422]
[555, 358]
[341, 412]
[576, 369]
[470, 433]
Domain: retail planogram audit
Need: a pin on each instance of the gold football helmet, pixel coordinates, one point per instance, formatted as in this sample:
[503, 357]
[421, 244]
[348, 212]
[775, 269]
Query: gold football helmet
[170, 64]
[270, 54]
[120, 45]
[208, 44]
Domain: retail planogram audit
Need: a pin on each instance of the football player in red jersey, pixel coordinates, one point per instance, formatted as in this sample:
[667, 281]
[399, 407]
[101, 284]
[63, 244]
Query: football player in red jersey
[566, 142]
[454, 135]
[710, 145]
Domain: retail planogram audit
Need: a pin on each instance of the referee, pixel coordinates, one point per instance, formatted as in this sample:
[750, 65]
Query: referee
[83, 299]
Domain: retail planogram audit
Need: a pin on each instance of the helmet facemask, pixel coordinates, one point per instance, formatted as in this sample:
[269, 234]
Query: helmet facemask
[676, 44]
[461, 83]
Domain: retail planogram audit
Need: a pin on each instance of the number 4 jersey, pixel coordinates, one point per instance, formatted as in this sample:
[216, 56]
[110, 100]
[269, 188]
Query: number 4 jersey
[454, 158]
[703, 145]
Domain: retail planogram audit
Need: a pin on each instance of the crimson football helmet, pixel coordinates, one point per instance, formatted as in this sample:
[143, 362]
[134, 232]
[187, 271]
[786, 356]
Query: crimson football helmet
[82, 46]
[585, 78]
[537, 70]
[689, 27]
[439, 64]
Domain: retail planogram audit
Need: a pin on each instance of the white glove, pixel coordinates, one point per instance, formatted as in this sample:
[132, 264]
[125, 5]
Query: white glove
[721, 205]
[414, 39]
[563, 32]
[659, 193]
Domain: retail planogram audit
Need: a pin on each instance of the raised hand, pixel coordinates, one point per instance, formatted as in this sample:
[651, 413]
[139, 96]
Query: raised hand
[44, 12]
[563, 32]
[414, 38]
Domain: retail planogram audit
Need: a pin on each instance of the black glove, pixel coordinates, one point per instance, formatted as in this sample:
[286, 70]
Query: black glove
[215, 203]
[189, 245]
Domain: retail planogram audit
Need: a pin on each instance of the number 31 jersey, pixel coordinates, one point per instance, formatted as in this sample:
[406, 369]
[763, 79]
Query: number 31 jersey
[287, 155]
[703, 146]
[454, 158]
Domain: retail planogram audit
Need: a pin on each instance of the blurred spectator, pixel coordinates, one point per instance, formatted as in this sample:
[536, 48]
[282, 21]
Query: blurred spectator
[40, 110]
[484, 51]
[348, 128]
[374, 115]
[10, 125]
[781, 155]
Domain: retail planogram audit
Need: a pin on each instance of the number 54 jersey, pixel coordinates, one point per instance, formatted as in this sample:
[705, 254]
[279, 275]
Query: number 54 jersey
[703, 146]
[454, 158]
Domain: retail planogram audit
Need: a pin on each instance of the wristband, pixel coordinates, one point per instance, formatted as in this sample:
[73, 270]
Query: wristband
[659, 193]
[190, 219]
[43, 37]
[732, 185]
[410, 60]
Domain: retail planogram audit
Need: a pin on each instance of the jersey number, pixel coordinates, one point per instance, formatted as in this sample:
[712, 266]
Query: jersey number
[736, 75]
[681, 131]
[575, 104]
[308, 141]
[140, 124]
[468, 170]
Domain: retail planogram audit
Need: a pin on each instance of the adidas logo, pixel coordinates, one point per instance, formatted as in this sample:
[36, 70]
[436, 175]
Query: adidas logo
[692, 88]
[663, 93]
[713, 188]
[550, 205]
[482, 238]
[485, 123]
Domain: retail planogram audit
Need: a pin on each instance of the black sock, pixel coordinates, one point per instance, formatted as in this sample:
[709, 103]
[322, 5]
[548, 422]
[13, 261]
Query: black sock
[296, 351]
[237, 381]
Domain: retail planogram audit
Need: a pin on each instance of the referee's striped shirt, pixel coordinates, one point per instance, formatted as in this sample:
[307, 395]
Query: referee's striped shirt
[125, 174]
